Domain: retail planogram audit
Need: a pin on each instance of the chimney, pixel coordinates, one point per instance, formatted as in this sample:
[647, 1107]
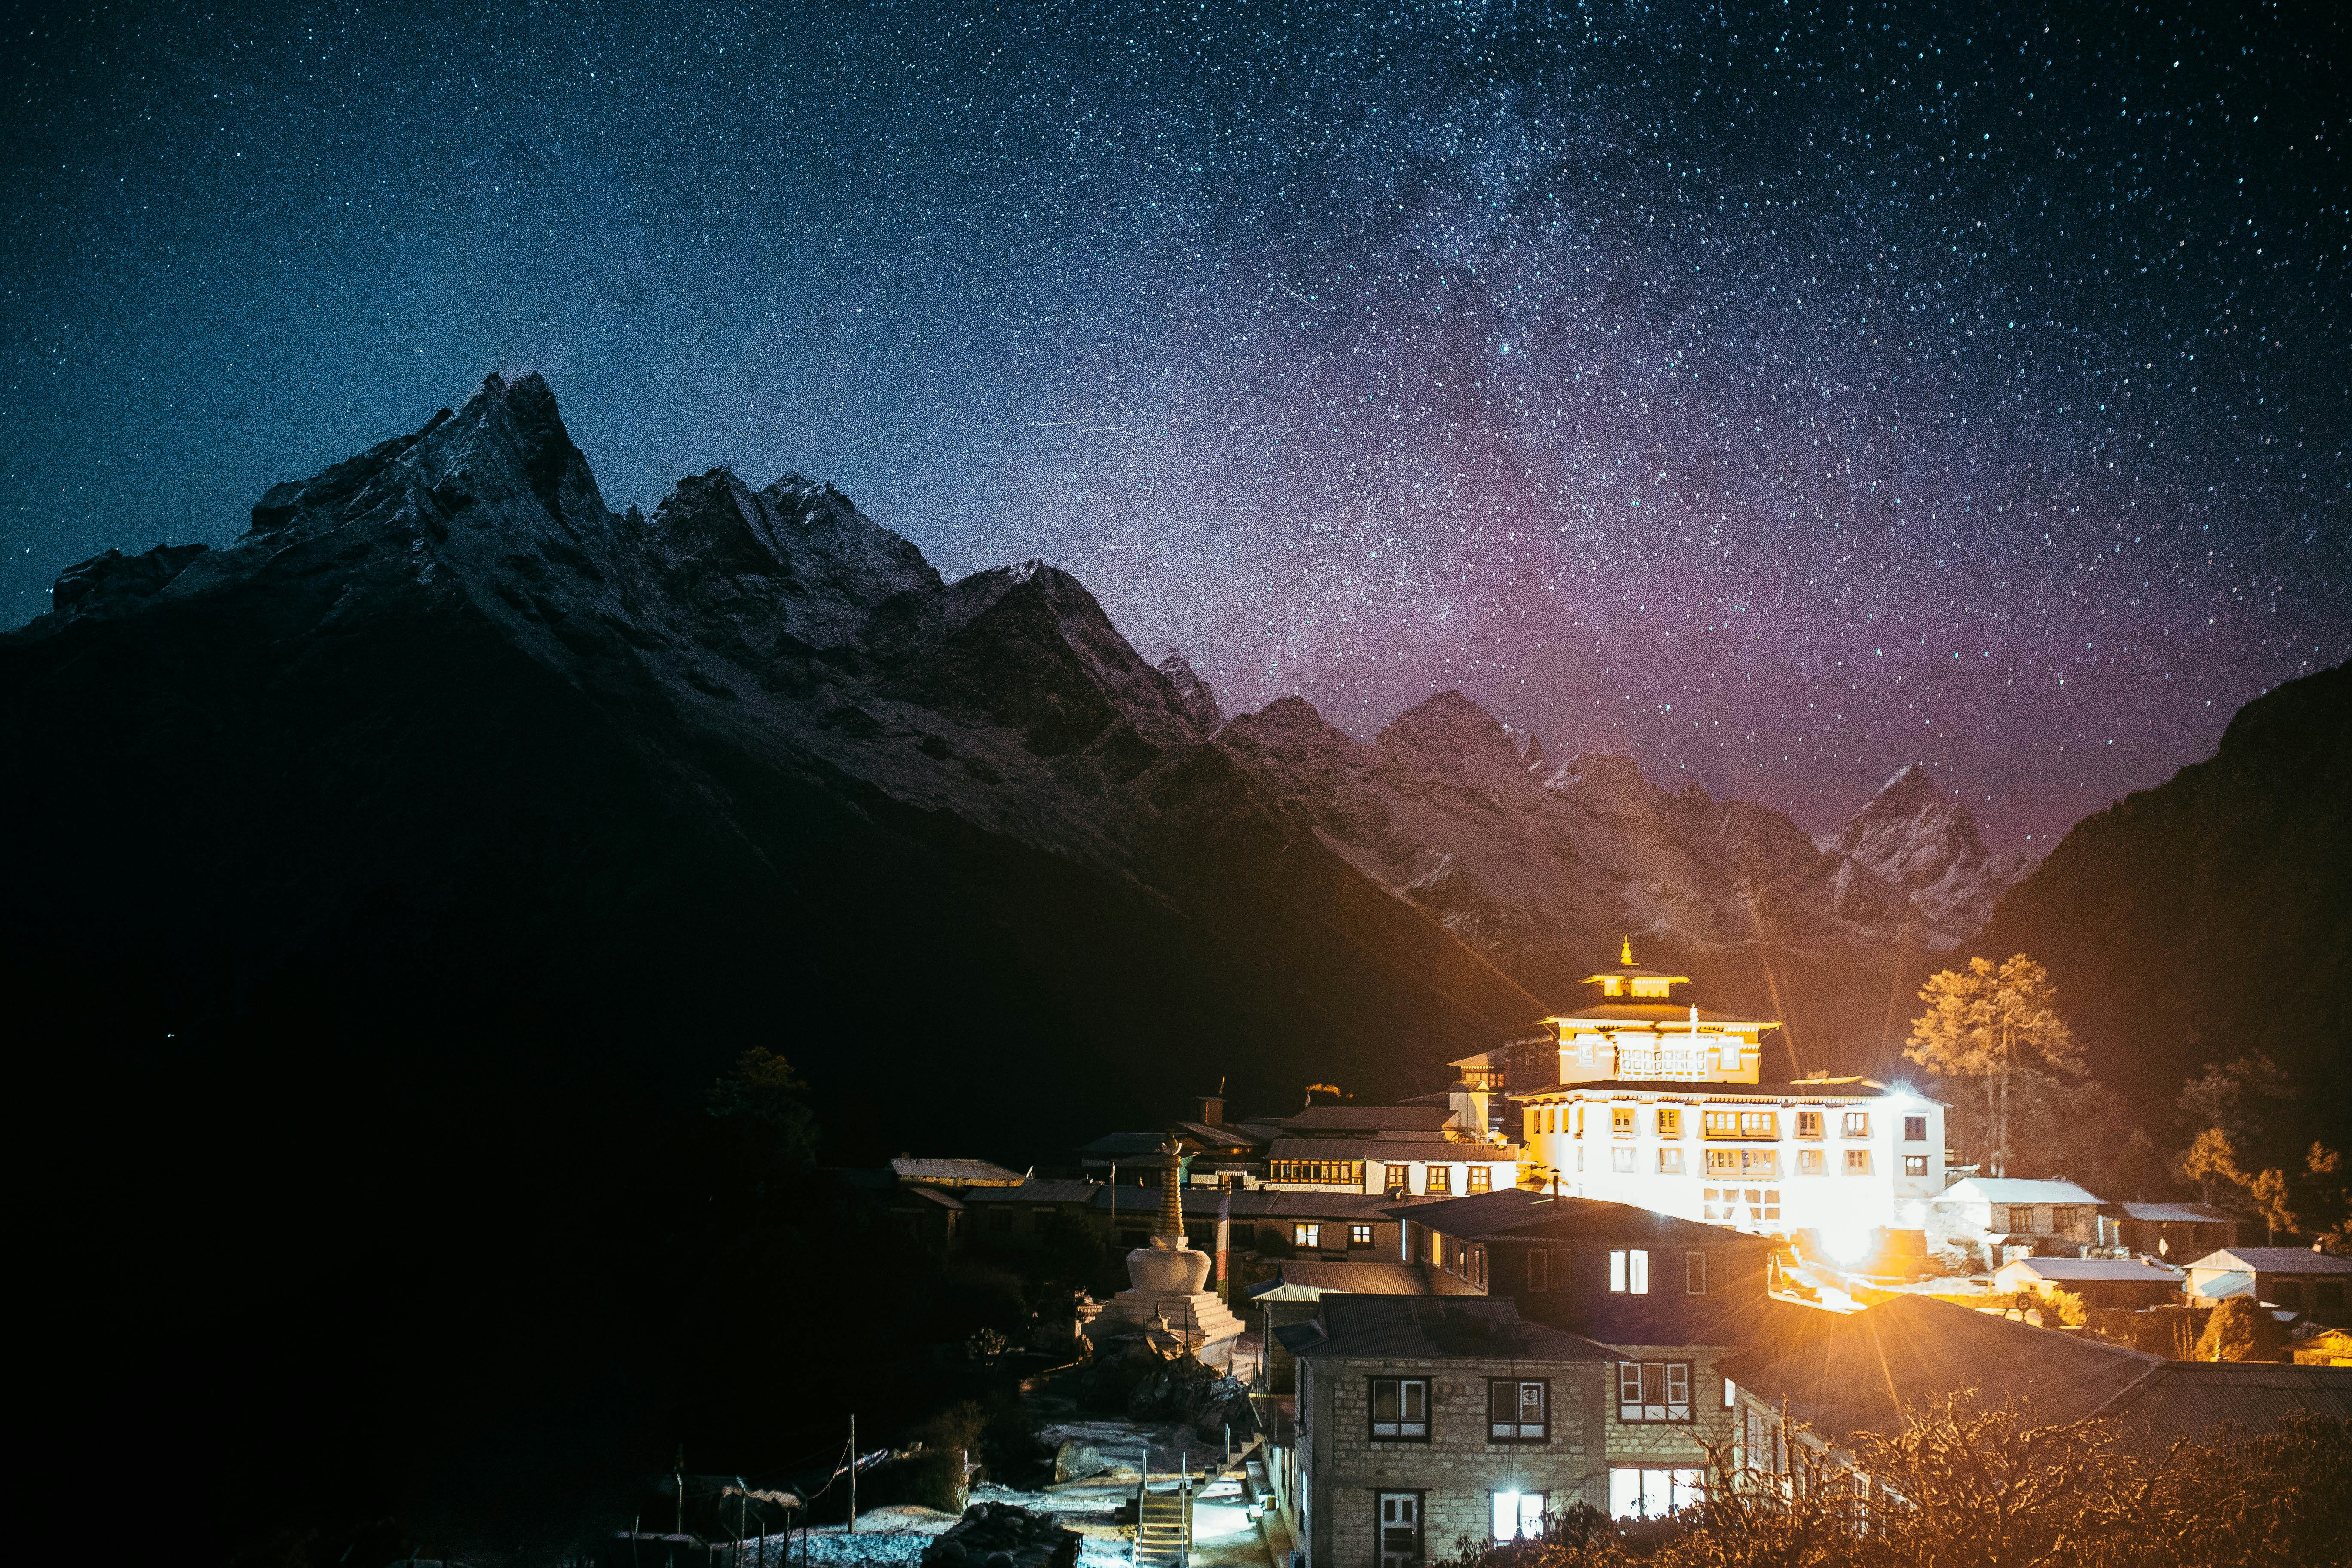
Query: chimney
[1213, 1110]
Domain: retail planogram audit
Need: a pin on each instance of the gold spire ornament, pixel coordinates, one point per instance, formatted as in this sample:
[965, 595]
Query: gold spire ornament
[1625, 953]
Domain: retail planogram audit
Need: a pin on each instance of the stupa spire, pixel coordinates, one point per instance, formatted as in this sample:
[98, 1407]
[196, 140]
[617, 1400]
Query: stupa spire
[1172, 1193]
[1625, 953]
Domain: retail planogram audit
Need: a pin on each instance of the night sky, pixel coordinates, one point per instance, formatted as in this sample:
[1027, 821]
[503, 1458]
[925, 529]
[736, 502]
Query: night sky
[1779, 394]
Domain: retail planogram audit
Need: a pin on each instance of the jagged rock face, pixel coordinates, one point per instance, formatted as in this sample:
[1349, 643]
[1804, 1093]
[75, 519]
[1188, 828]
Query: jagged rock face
[442, 719]
[1926, 845]
[1541, 868]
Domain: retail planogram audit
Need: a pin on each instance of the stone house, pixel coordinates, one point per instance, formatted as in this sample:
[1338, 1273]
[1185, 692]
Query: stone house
[2174, 1232]
[2296, 1277]
[2008, 1218]
[1422, 1421]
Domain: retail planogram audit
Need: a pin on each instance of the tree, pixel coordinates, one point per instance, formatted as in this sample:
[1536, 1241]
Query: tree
[2232, 1098]
[1988, 1024]
[2240, 1330]
[2211, 1159]
[2324, 1167]
[762, 1106]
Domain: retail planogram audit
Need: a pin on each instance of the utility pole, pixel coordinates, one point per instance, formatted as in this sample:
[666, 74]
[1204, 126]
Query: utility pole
[853, 1473]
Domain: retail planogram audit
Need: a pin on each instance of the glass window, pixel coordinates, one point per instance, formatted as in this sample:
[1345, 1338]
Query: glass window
[1482, 1178]
[1359, 1236]
[1810, 1163]
[1808, 1124]
[1636, 1493]
[1670, 1162]
[1515, 1409]
[1621, 1120]
[1441, 1179]
[1518, 1515]
[1857, 1123]
[1306, 1235]
[1670, 1121]
[1652, 1391]
[1857, 1161]
[1915, 1164]
[1914, 1130]
[1621, 1158]
[1400, 1407]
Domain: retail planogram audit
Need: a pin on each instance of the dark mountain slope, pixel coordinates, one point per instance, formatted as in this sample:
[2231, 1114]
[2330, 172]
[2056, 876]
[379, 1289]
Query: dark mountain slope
[2212, 917]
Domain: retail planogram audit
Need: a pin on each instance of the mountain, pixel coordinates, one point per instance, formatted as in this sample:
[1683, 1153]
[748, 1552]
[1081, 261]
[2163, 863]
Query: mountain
[1543, 868]
[1926, 847]
[2211, 918]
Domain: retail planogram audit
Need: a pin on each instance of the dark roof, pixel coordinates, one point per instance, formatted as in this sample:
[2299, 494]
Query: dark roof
[917, 1193]
[1035, 1191]
[1297, 1276]
[1226, 1134]
[1809, 1088]
[1125, 1143]
[1201, 1204]
[1857, 1374]
[2274, 1260]
[1435, 1328]
[1520, 1214]
[1370, 1118]
[952, 1173]
[1445, 1151]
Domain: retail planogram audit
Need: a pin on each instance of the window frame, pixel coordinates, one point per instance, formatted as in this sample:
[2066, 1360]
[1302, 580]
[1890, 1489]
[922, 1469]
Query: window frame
[1918, 1137]
[1307, 1233]
[1482, 1179]
[1812, 1162]
[1400, 1382]
[1670, 1121]
[1622, 1120]
[1917, 1161]
[1437, 1178]
[1359, 1236]
[1857, 1163]
[1628, 1271]
[1855, 1125]
[1666, 1405]
[1621, 1159]
[1519, 1387]
[1811, 1124]
[1670, 1162]
[1518, 1513]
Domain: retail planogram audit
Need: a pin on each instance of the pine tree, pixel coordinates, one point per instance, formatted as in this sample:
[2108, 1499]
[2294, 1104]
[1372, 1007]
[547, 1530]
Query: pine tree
[1989, 1024]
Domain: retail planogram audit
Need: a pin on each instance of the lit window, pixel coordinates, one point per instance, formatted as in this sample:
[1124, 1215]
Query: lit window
[1670, 1162]
[1518, 1516]
[1621, 1158]
[1914, 1130]
[1621, 1120]
[1857, 1123]
[1441, 1179]
[1810, 1163]
[1637, 1491]
[1515, 1409]
[1857, 1161]
[1915, 1164]
[1730, 1393]
[1808, 1124]
[1359, 1236]
[1400, 1407]
[1670, 1121]
[1306, 1235]
[1694, 1273]
[1629, 1273]
[1482, 1178]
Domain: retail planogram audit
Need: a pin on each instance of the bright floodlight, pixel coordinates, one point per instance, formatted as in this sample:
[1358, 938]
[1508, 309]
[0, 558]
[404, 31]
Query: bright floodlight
[1847, 1243]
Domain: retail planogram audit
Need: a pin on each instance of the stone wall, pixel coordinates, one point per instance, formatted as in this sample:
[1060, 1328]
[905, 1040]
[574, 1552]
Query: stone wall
[1457, 1469]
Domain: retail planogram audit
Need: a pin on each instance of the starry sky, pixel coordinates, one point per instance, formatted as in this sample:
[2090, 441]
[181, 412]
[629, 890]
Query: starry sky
[1776, 393]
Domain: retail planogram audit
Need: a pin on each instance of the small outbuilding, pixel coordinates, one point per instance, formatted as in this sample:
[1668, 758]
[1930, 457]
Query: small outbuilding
[2131, 1282]
[2298, 1279]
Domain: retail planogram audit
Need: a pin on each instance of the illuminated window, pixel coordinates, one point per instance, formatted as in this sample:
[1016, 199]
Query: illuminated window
[1515, 1409]
[1441, 1179]
[1670, 1162]
[1629, 1273]
[1857, 1161]
[1482, 1178]
[1808, 1124]
[1359, 1236]
[1857, 1123]
[1517, 1516]
[1812, 1162]
[1670, 1121]
[1654, 1391]
[1621, 1120]
[1306, 1235]
[1742, 1123]
[1621, 1158]
[1915, 1164]
[1914, 1130]
[1755, 1163]
[1400, 1407]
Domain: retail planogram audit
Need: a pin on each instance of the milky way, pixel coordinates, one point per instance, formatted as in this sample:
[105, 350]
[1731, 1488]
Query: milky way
[1778, 395]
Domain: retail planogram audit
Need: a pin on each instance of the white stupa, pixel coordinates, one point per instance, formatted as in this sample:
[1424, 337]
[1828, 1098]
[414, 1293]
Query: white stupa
[1164, 1294]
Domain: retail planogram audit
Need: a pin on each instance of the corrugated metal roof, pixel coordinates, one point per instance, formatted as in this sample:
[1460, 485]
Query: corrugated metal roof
[2214, 1287]
[2275, 1260]
[1440, 1328]
[1443, 1151]
[1520, 1213]
[2169, 1214]
[1305, 1280]
[2013, 1190]
[1810, 1091]
[1370, 1118]
[953, 1172]
[2130, 1270]
[1202, 1202]
[2192, 1399]
[1037, 1191]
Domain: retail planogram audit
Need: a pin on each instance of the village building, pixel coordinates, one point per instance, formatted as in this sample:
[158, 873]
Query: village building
[2128, 1282]
[1641, 1099]
[1860, 1372]
[1399, 1150]
[1422, 1420]
[2299, 1279]
[2328, 1347]
[954, 1174]
[2173, 1232]
[2007, 1217]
